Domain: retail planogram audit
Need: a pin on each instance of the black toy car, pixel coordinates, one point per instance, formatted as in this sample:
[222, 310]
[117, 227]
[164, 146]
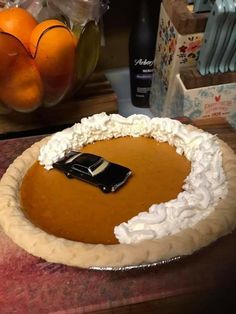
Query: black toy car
[93, 169]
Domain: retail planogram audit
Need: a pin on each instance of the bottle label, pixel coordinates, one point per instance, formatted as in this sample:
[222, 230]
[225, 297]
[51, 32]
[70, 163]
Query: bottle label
[141, 91]
[143, 62]
[145, 76]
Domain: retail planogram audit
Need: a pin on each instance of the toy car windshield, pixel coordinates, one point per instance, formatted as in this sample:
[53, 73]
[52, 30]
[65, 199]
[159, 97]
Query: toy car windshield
[108, 176]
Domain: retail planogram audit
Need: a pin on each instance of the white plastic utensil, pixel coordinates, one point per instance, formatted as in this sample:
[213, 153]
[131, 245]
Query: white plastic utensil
[224, 38]
[202, 6]
[231, 47]
[232, 64]
[214, 25]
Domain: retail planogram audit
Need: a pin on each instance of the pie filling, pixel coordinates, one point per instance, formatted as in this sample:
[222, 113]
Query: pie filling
[79, 211]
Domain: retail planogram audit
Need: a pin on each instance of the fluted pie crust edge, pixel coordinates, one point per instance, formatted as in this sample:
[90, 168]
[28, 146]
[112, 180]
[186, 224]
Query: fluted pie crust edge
[58, 250]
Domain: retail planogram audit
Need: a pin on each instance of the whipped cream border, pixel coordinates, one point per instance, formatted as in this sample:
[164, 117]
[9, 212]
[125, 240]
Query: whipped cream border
[203, 188]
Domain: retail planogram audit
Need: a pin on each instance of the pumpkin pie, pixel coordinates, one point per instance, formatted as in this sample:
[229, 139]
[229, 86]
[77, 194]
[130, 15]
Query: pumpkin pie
[179, 198]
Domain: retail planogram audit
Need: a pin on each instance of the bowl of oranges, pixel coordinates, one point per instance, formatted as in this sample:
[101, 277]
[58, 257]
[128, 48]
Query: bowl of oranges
[43, 63]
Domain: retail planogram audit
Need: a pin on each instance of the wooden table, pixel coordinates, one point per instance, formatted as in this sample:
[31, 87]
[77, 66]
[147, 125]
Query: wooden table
[219, 127]
[204, 282]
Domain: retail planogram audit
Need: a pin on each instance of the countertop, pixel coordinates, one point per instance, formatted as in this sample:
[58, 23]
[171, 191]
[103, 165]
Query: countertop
[30, 285]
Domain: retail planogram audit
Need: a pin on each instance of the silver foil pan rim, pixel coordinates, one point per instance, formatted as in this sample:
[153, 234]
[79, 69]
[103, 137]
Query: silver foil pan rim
[130, 267]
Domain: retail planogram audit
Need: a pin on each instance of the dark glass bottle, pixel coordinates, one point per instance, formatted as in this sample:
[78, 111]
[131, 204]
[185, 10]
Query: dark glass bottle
[142, 43]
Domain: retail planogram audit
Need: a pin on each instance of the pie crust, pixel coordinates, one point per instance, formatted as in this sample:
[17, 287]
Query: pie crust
[58, 250]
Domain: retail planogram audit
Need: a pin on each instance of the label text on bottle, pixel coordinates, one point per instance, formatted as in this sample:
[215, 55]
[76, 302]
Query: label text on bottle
[143, 62]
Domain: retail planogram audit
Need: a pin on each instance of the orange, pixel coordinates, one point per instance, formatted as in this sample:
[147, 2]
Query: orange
[38, 31]
[21, 86]
[18, 22]
[52, 46]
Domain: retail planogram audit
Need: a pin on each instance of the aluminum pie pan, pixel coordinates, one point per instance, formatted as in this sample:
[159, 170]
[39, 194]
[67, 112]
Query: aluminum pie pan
[133, 267]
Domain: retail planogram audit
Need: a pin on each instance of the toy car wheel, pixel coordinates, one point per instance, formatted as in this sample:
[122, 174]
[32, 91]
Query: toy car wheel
[69, 176]
[105, 189]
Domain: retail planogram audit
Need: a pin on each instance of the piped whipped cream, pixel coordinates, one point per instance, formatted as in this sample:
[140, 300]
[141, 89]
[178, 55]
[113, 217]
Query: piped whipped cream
[203, 188]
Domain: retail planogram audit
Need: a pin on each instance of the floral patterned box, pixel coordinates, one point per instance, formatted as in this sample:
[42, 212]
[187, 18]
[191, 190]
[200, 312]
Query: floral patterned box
[173, 52]
[169, 97]
[203, 102]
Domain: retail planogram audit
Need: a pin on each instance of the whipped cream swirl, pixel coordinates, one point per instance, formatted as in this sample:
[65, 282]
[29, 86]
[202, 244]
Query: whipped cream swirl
[202, 189]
